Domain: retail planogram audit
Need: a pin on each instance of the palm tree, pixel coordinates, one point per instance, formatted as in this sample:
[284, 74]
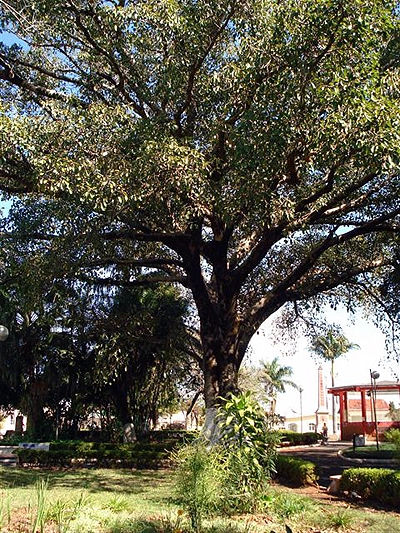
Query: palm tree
[275, 378]
[329, 347]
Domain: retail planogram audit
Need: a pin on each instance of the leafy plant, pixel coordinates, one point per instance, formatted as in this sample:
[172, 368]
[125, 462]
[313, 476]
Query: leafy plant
[285, 505]
[393, 436]
[251, 445]
[117, 504]
[340, 519]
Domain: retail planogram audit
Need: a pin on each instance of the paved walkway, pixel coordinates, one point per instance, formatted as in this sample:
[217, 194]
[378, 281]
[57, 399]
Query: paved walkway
[329, 459]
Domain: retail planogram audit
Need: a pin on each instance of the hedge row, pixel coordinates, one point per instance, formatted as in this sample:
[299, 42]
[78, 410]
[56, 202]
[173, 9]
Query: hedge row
[379, 484]
[104, 455]
[181, 435]
[296, 439]
[296, 471]
[80, 447]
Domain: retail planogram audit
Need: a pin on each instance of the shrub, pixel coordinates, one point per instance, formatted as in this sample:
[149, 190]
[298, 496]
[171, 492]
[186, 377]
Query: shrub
[296, 471]
[232, 475]
[250, 445]
[296, 439]
[290, 436]
[380, 484]
[107, 455]
[311, 437]
[199, 480]
[393, 436]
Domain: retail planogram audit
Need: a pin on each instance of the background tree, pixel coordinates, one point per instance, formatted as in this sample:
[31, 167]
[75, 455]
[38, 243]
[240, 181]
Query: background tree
[44, 363]
[275, 379]
[245, 150]
[142, 354]
[128, 354]
[328, 347]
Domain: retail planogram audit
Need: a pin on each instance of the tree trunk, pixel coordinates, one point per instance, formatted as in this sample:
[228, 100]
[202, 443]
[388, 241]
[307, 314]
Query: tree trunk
[220, 368]
[35, 421]
[223, 336]
[120, 400]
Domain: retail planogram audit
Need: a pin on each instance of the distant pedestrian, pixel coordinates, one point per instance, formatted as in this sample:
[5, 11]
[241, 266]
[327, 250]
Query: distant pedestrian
[324, 432]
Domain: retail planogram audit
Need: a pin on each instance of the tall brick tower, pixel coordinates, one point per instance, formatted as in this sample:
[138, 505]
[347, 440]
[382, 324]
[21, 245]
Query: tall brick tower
[322, 413]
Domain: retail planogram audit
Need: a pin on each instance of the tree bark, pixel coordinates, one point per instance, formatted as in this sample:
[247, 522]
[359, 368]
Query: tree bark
[220, 369]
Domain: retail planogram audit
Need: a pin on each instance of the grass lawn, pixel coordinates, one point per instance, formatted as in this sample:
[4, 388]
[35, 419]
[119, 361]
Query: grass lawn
[386, 451]
[122, 501]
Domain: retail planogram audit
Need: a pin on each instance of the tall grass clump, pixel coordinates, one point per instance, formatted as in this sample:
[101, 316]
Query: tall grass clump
[39, 519]
[5, 511]
[64, 512]
[286, 506]
[199, 480]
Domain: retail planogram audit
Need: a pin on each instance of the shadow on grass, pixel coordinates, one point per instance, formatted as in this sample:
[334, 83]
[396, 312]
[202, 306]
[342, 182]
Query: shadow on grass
[91, 480]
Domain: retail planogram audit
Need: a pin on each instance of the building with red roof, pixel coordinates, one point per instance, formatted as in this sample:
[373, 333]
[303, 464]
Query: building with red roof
[368, 409]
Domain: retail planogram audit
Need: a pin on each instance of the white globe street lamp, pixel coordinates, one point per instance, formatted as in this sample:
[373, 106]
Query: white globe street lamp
[3, 333]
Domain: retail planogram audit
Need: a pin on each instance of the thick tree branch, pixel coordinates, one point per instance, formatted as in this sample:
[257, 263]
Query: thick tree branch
[144, 263]
[142, 282]
[9, 75]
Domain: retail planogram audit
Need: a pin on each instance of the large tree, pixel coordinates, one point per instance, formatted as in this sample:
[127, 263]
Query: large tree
[246, 149]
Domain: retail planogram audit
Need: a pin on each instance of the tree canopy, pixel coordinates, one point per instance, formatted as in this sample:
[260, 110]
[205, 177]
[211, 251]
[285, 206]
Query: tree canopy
[245, 149]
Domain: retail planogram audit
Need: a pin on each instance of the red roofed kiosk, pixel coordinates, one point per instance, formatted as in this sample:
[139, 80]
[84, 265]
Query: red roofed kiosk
[365, 408]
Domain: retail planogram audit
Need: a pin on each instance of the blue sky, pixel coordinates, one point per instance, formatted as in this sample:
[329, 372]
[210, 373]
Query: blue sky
[4, 207]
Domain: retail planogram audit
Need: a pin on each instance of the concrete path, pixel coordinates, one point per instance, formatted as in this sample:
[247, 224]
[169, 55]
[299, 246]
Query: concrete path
[329, 459]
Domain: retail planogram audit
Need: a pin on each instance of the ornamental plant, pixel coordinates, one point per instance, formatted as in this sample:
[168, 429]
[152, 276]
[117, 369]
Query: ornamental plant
[247, 437]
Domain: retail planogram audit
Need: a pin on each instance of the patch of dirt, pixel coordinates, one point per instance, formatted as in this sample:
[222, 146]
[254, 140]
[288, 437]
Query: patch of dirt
[340, 500]
[21, 521]
[316, 492]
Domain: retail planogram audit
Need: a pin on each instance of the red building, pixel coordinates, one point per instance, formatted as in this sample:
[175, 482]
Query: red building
[365, 408]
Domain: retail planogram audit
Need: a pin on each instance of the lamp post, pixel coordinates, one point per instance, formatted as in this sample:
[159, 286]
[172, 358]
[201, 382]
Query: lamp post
[3, 333]
[374, 376]
[301, 409]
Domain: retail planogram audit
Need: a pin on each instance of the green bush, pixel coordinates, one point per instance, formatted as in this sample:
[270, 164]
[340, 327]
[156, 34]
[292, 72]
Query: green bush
[297, 439]
[231, 476]
[290, 436]
[393, 436]
[107, 455]
[380, 484]
[296, 471]
[311, 437]
[199, 480]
